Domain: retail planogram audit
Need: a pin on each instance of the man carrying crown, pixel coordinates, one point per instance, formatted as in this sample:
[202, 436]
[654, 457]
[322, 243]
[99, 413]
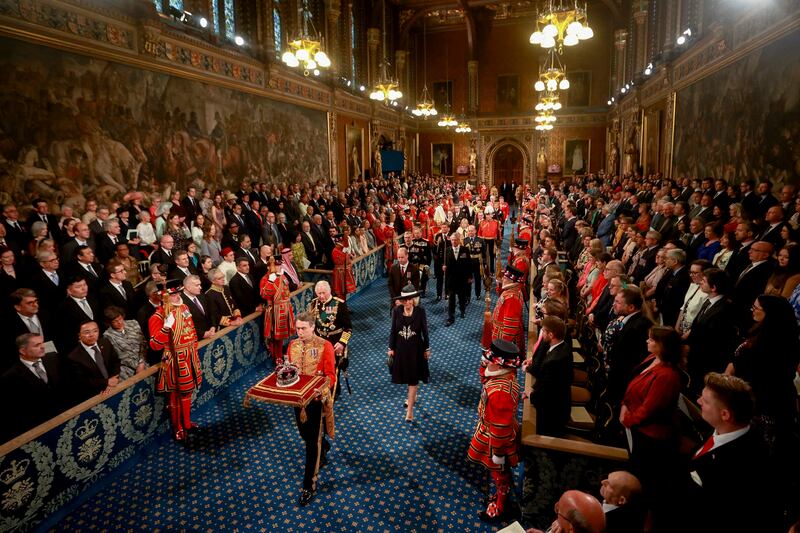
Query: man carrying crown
[312, 356]
[172, 330]
[495, 443]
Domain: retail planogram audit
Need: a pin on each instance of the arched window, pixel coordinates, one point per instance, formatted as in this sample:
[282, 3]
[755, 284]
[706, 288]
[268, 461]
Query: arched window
[277, 29]
[230, 22]
[215, 15]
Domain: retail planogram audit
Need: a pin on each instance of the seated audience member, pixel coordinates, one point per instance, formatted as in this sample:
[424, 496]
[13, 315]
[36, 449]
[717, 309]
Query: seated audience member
[128, 341]
[622, 504]
[94, 364]
[551, 391]
[732, 458]
[647, 413]
[85, 265]
[577, 512]
[48, 280]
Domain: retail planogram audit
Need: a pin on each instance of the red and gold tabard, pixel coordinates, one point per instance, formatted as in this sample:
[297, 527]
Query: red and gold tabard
[344, 282]
[316, 357]
[490, 229]
[498, 430]
[180, 367]
[507, 322]
[278, 316]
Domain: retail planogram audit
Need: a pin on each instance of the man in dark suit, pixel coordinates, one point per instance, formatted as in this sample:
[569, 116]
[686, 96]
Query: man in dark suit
[457, 270]
[401, 274]
[745, 235]
[622, 505]
[646, 260]
[270, 233]
[749, 199]
[97, 226]
[49, 283]
[195, 300]
[34, 384]
[86, 266]
[549, 256]
[182, 267]
[732, 458]
[569, 235]
[244, 290]
[165, 254]
[775, 223]
[630, 345]
[765, 199]
[551, 390]
[94, 363]
[245, 250]
[83, 237]
[671, 289]
[16, 232]
[107, 241]
[751, 282]
[41, 213]
[76, 309]
[190, 205]
[311, 245]
[713, 336]
[26, 317]
[696, 238]
[118, 291]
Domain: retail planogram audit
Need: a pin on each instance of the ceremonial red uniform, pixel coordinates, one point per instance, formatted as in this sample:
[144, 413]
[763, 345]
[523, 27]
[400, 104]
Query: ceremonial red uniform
[180, 371]
[344, 282]
[389, 249]
[497, 434]
[278, 316]
[507, 321]
[489, 229]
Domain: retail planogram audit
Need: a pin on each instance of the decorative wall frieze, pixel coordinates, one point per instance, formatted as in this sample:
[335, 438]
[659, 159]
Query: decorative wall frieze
[298, 88]
[55, 18]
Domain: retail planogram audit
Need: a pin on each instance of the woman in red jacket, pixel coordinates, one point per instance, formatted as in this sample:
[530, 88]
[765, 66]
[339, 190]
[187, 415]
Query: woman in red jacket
[647, 414]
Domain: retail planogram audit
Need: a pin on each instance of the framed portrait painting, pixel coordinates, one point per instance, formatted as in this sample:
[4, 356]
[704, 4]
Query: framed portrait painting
[354, 142]
[580, 89]
[576, 156]
[442, 159]
[507, 92]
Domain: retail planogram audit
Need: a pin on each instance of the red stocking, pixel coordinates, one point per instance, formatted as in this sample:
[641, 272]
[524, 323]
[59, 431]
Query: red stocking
[502, 482]
[186, 411]
[276, 348]
[174, 411]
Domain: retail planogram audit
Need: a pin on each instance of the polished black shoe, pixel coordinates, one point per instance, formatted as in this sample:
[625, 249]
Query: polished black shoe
[306, 497]
[449, 323]
[323, 460]
[463, 315]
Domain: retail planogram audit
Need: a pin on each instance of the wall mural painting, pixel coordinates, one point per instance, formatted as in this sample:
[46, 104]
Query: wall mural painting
[442, 159]
[743, 121]
[72, 127]
[576, 156]
[354, 143]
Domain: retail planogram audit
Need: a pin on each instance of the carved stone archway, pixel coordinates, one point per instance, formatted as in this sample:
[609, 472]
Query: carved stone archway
[495, 146]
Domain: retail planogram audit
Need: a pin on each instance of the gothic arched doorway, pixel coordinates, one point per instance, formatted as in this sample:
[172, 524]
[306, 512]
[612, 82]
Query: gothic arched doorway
[507, 165]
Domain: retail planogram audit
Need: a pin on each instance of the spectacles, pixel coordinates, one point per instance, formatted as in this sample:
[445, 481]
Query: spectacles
[555, 508]
[754, 308]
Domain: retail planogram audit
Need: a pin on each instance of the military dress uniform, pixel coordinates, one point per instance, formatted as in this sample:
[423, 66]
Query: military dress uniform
[180, 373]
[332, 323]
[314, 357]
[475, 248]
[278, 315]
[507, 321]
[419, 255]
[439, 251]
[495, 444]
[489, 232]
[344, 281]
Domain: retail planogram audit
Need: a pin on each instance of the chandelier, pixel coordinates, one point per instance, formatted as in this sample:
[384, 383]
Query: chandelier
[306, 49]
[544, 120]
[463, 126]
[448, 120]
[552, 76]
[425, 107]
[549, 101]
[386, 89]
[562, 24]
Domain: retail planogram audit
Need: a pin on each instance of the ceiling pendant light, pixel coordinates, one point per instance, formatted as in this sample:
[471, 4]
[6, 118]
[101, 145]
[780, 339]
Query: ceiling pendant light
[425, 107]
[387, 89]
[306, 50]
[562, 23]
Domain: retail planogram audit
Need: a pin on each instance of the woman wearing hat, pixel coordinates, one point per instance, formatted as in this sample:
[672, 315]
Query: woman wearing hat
[409, 346]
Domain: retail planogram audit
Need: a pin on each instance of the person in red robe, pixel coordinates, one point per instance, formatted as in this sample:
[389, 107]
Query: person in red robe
[278, 314]
[507, 320]
[495, 444]
[344, 281]
[172, 330]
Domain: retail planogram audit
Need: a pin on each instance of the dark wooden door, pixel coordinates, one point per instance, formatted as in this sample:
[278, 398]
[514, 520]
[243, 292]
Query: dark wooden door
[508, 165]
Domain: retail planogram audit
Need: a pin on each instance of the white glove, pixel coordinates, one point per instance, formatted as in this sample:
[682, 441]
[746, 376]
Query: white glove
[499, 460]
[169, 321]
[272, 277]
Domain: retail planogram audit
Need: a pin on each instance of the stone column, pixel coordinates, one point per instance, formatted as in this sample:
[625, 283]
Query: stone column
[670, 26]
[472, 90]
[373, 40]
[331, 45]
[400, 71]
[620, 40]
[640, 17]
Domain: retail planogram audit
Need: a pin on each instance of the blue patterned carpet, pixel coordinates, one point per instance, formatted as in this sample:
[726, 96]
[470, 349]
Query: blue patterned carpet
[244, 470]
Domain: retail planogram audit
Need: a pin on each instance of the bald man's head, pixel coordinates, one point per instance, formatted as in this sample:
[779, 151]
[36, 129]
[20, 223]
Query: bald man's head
[620, 487]
[580, 513]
